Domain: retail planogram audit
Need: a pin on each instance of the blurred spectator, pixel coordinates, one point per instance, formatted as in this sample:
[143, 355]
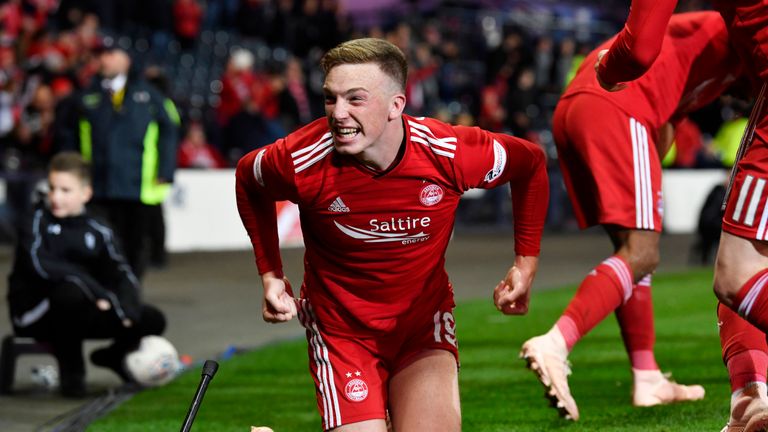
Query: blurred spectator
[34, 132]
[195, 152]
[727, 139]
[316, 26]
[493, 113]
[297, 102]
[512, 52]
[249, 109]
[543, 61]
[158, 15]
[11, 77]
[421, 89]
[220, 13]
[726, 142]
[29, 151]
[158, 253]
[188, 16]
[279, 32]
[11, 18]
[236, 84]
[686, 147]
[708, 228]
[128, 129]
[565, 57]
[252, 19]
[522, 102]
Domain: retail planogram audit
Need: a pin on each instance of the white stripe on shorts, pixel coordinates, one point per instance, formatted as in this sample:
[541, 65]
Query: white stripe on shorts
[642, 175]
[327, 387]
[742, 197]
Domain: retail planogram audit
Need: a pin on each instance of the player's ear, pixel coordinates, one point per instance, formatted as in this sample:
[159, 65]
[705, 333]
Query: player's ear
[396, 106]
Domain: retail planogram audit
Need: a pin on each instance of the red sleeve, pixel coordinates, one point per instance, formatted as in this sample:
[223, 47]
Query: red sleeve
[639, 43]
[489, 159]
[258, 184]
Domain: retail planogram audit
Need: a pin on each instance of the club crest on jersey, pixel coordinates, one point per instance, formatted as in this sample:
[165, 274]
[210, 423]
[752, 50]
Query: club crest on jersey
[431, 195]
[356, 390]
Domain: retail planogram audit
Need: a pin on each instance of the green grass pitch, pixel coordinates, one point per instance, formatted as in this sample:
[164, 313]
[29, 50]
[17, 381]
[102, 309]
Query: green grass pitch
[271, 386]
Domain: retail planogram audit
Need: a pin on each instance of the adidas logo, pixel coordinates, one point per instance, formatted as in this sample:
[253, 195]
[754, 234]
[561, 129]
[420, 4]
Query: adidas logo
[338, 206]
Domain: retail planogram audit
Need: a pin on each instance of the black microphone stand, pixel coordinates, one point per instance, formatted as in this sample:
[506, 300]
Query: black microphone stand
[209, 370]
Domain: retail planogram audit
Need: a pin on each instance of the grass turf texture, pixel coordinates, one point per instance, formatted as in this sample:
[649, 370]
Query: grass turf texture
[271, 386]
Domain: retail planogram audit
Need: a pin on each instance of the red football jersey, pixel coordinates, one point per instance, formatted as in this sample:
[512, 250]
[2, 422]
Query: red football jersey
[695, 65]
[747, 22]
[375, 242]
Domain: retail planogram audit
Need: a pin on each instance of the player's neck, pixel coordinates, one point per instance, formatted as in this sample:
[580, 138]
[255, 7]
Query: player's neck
[381, 156]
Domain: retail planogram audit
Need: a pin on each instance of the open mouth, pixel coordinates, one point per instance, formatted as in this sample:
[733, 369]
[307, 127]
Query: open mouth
[346, 132]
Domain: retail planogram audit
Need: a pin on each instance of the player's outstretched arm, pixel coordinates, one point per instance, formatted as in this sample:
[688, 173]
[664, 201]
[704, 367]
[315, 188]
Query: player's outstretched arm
[511, 296]
[278, 304]
[638, 44]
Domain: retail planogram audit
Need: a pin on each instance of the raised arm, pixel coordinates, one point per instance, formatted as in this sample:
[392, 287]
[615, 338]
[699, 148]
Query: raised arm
[637, 45]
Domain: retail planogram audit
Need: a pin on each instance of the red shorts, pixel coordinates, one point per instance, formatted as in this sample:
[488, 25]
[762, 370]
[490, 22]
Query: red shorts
[352, 374]
[746, 214]
[610, 164]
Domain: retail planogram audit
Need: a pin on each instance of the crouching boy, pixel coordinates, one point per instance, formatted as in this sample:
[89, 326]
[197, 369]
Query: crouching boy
[70, 281]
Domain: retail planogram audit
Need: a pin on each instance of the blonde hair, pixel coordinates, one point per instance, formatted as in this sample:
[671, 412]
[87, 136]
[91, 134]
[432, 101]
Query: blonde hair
[386, 55]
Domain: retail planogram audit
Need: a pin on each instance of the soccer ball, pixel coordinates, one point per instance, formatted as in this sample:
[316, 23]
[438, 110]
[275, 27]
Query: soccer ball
[154, 363]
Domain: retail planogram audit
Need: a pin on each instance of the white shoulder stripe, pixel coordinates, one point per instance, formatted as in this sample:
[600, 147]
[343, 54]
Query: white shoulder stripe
[428, 131]
[299, 168]
[440, 146]
[308, 156]
[319, 148]
[444, 143]
[319, 142]
[434, 150]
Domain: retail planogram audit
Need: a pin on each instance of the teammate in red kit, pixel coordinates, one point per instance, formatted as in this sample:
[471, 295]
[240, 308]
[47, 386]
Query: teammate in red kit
[741, 269]
[613, 176]
[378, 191]
[742, 262]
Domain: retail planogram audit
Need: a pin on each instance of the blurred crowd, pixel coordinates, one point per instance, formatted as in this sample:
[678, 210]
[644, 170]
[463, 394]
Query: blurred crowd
[243, 72]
